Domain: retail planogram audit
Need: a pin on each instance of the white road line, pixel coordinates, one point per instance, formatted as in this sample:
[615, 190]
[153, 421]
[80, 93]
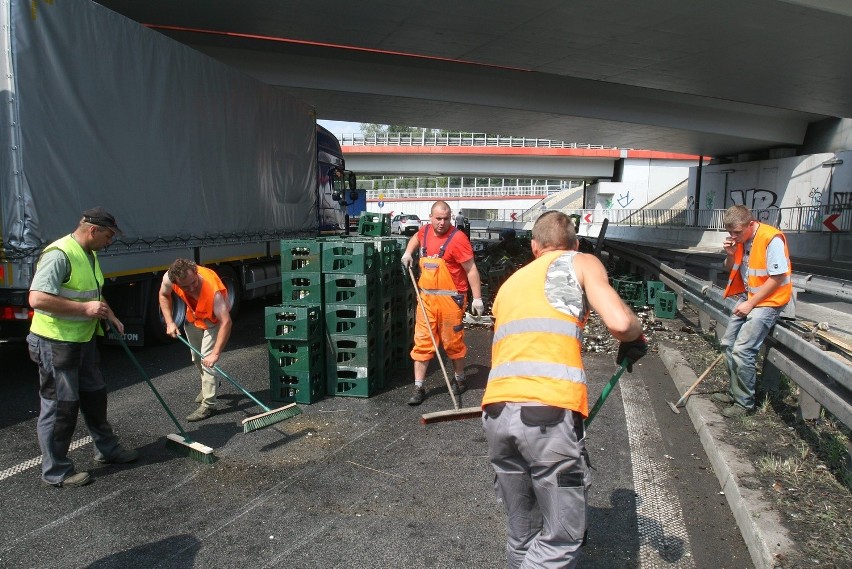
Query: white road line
[27, 464]
[663, 539]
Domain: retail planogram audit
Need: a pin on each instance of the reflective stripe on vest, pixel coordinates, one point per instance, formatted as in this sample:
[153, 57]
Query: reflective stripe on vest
[536, 348]
[83, 285]
[757, 272]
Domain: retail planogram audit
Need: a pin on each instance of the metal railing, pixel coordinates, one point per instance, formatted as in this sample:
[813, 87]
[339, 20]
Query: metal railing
[391, 192]
[826, 378]
[460, 139]
[799, 219]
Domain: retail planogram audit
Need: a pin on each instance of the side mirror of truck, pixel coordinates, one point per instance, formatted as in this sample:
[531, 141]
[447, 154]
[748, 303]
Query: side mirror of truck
[351, 180]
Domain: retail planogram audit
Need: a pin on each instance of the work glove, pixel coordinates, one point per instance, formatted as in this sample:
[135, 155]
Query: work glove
[477, 307]
[632, 351]
[406, 261]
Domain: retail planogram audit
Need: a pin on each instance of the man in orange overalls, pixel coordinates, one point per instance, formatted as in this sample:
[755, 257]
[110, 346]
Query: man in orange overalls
[208, 322]
[446, 268]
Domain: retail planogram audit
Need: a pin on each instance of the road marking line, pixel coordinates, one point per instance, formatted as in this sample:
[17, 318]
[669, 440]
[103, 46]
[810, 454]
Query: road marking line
[663, 539]
[27, 464]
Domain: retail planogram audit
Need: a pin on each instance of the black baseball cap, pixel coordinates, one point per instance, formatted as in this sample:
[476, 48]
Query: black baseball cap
[100, 217]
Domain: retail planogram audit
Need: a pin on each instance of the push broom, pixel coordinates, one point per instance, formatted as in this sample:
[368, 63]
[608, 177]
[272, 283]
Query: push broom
[178, 443]
[455, 413]
[266, 419]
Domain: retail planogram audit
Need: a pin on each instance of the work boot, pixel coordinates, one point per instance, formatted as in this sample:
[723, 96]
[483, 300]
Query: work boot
[418, 396]
[722, 397]
[120, 456]
[458, 386]
[203, 412]
[735, 411]
[74, 481]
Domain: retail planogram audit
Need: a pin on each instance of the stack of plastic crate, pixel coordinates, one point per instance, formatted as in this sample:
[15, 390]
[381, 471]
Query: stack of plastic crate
[374, 224]
[403, 307]
[294, 329]
[352, 318]
[296, 348]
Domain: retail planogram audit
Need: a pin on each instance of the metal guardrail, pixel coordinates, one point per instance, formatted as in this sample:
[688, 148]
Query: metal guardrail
[826, 378]
[798, 219]
[460, 139]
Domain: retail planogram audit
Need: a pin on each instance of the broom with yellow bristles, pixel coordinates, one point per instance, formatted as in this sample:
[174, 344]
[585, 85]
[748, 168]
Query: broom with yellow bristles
[266, 419]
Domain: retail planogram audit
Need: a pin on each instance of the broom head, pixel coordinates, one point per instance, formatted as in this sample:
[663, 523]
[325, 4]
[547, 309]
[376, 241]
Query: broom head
[270, 417]
[451, 415]
[190, 449]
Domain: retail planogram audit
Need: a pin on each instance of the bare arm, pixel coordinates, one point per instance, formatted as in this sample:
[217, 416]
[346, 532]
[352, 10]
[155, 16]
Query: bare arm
[165, 299]
[412, 245]
[473, 278]
[223, 314]
[619, 318]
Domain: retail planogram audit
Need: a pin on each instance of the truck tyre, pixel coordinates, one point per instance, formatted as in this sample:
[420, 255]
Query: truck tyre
[155, 326]
[232, 283]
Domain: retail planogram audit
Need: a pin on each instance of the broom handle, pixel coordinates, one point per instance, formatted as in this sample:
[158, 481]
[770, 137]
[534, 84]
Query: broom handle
[605, 393]
[432, 335]
[150, 384]
[689, 391]
[225, 375]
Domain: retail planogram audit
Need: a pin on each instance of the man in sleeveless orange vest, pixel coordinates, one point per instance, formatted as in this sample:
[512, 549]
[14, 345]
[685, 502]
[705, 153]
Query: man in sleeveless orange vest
[761, 279]
[208, 322]
[446, 267]
[536, 398]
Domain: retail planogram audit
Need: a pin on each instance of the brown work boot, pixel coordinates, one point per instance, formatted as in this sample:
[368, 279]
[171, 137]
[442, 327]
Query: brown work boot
[722, 397]
[418, 396]
[203, 412]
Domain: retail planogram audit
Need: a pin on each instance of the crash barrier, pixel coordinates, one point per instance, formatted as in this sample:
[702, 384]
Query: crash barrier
[346, 318]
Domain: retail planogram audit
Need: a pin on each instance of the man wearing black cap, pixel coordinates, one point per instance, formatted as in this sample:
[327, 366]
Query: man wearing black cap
[66, 296]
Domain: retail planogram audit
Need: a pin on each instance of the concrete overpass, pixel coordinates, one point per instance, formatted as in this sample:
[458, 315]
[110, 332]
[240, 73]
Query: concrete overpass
[716, 78]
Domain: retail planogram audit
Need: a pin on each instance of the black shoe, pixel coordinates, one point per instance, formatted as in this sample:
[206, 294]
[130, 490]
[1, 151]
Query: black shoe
[418, 397]
[458, 386]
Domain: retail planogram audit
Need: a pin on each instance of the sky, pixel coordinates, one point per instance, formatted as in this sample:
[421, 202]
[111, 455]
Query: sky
[340, 127]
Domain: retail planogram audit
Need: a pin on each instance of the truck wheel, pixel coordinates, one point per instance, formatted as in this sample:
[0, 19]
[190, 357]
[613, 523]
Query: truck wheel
[155, 326]
[232, 283]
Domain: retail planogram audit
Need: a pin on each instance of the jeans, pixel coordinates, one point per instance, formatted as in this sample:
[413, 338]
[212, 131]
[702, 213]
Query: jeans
[741, 342]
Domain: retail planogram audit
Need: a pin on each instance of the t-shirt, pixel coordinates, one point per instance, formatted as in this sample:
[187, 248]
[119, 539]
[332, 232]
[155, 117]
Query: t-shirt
[53, 270]
[458, 251]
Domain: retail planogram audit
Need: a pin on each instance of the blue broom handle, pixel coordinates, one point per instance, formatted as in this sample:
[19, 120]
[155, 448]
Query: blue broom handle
[225, 375]
[605, 393]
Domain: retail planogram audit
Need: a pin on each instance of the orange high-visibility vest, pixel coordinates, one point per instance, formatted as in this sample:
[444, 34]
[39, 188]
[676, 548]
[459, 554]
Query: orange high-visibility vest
[535, 354]
[757, 273]
[199, 312]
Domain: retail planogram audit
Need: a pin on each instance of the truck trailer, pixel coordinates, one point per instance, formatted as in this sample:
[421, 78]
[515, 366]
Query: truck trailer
[194, 159]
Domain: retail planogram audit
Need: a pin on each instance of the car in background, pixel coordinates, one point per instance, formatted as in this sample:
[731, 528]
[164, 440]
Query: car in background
[405, 224]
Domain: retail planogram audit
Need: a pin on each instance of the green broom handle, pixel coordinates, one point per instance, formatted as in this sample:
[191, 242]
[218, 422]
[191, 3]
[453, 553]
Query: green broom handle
[225, 375]
[605, 393]
[150, 384]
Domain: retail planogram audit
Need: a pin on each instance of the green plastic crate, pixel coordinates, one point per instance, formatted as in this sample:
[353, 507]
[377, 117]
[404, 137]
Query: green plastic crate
[357, 257]
[293, 322]
[296, 386]
[355, 381]
[355, 351]
[355, 320]
[666, 306]
[350, 289]
[652, 289]
[301, 288]
[294, 355]
[301, 255]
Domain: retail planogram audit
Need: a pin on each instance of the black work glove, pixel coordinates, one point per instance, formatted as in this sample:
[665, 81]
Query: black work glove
[632, 351]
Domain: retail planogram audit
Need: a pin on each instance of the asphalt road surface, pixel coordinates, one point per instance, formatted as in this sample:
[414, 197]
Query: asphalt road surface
[352, 482]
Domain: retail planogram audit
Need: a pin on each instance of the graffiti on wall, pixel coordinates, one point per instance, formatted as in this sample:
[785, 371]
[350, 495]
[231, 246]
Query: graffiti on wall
[625, 200]
[842, 200]
[759, 201]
